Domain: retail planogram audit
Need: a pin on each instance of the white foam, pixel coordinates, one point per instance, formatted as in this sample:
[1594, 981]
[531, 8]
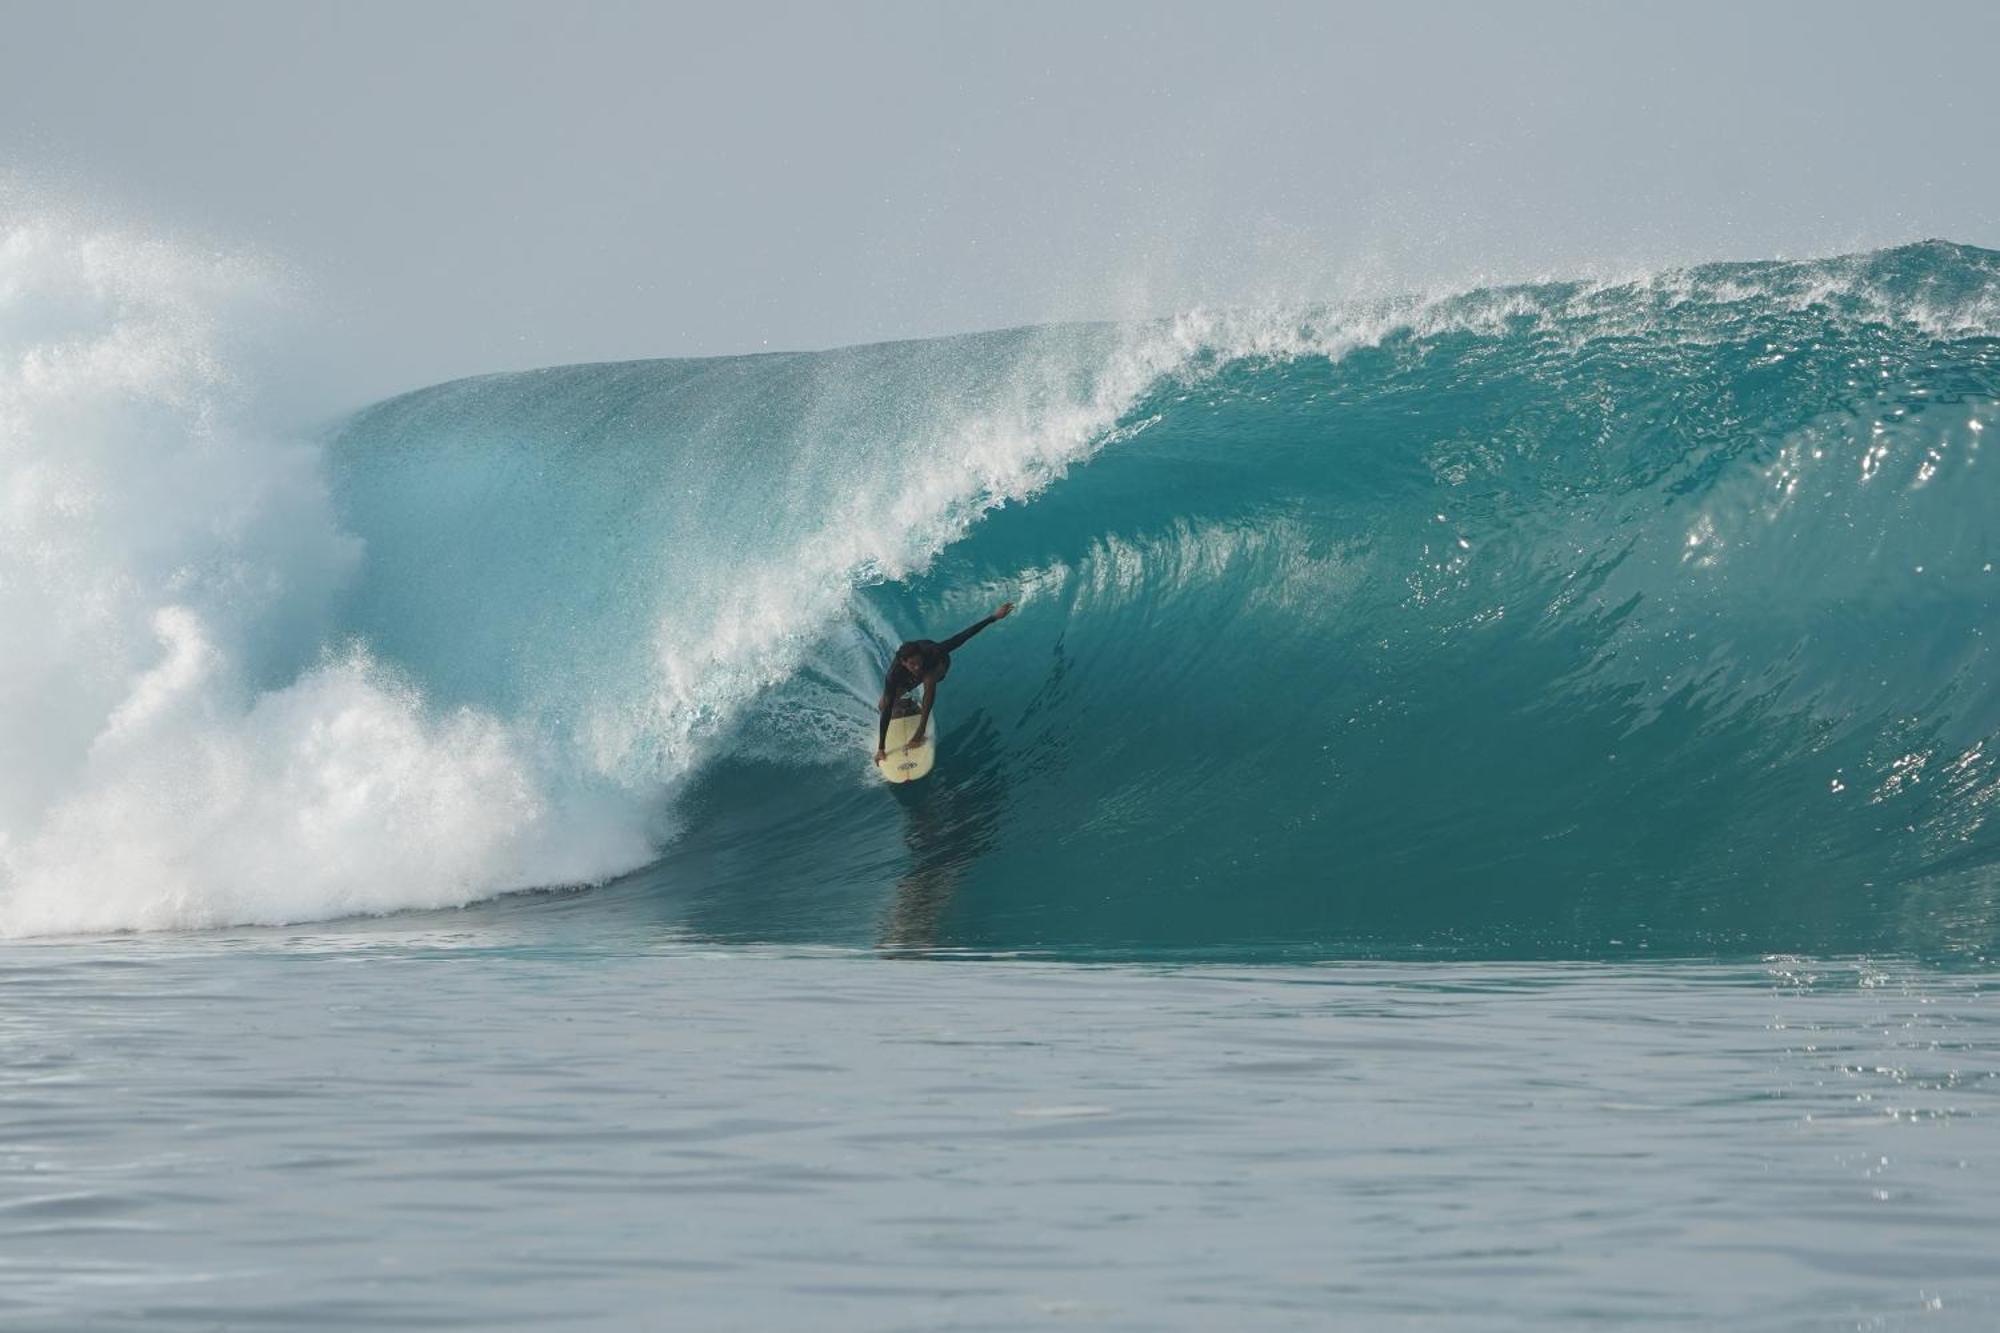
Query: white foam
[162, 561]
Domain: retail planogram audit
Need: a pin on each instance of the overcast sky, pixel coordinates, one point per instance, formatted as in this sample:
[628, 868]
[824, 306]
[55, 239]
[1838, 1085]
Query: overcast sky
[474, 187]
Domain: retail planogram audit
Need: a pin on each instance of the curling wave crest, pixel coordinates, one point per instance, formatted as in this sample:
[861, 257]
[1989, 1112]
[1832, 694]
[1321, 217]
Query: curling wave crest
[1566, 618]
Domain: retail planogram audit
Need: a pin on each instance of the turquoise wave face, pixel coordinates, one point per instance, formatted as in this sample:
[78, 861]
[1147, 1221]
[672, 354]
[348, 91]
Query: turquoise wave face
[1568, 620]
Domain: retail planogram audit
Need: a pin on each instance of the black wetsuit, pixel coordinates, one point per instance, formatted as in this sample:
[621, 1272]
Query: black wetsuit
[936, 663]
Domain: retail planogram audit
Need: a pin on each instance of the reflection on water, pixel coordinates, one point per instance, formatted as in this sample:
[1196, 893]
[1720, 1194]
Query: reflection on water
[949, 822]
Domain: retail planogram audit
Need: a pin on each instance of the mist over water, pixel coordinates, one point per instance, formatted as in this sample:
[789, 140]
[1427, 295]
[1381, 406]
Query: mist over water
[189, 737]
[1568, 618]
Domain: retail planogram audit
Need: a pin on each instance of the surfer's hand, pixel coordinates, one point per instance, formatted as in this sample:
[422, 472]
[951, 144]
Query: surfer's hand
[881, 756]
[1006, 609]
[915, 740]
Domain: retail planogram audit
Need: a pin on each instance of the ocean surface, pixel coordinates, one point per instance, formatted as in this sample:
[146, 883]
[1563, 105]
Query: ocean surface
[1483, 817]
[444, 1127]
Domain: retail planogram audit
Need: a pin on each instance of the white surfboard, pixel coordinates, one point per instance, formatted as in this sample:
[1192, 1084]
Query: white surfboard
[907, 763]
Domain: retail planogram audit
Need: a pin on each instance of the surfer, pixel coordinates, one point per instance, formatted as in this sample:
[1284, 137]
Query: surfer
[922, 662]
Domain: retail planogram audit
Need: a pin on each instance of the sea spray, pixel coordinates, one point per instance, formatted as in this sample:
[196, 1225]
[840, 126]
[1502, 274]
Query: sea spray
[186, 741]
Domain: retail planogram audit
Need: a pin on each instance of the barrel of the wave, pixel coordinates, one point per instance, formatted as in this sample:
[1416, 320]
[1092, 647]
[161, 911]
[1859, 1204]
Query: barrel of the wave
[906, 762]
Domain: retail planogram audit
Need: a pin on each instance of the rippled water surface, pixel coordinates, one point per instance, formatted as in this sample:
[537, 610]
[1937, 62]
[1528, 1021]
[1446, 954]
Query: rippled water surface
[367, 1128]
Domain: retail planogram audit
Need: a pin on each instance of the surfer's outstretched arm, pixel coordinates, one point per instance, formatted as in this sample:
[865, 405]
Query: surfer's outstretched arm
[957, 641]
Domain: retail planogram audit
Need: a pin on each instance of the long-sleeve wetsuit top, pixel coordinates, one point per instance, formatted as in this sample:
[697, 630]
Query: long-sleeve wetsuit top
[936, 662]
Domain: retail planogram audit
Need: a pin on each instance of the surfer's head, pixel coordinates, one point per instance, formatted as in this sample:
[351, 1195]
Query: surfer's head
[911, 656]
